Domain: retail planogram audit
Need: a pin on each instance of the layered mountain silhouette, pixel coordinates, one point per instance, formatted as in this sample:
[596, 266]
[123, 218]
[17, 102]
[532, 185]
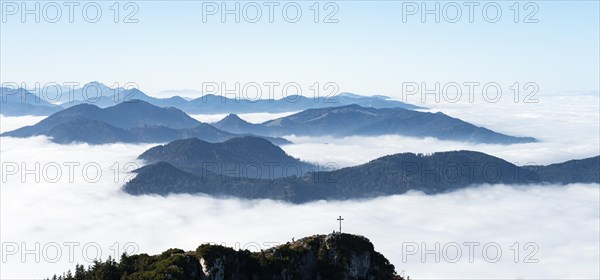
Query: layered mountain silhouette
[146, 121]
[141, 121]
[96, 93]
[388, 175]
[20, 102]
[132, 121]
[249, 157]
[215, 104]
[353, 120]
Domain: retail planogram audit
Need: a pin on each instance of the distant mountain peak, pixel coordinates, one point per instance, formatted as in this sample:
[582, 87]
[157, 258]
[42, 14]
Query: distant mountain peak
[142, 104]
[352, 106]
[138, 102]
[192, 140]
[98, 85]
[135, 90]
[234, 123]
[252, 141]
[79, 108]
[94, 83]
[234, 117]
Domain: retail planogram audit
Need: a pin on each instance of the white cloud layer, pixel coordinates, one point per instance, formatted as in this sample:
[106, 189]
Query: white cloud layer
[562, 222]
[568, 127]
[11, 123]
[559, 226]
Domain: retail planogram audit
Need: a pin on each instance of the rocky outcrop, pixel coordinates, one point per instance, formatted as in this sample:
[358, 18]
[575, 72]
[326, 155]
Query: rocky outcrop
[334, 256]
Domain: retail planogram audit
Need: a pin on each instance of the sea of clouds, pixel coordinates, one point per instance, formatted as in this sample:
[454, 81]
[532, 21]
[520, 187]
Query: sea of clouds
[76, 207]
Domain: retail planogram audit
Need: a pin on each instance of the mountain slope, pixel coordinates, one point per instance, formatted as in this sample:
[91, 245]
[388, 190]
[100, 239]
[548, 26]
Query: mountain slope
[134, 121]
[139, 113]
[96, 93]
[587, 171]
[90, 93]
[353, 120]
[124, 115]
[20, 102]
[88, 131]
[388, 175]
[250, 157]
[214, 104]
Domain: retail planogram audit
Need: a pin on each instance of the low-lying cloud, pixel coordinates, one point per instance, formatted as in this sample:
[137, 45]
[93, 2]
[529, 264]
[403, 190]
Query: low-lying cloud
[555, 226]
[568, 127]
[540, 231]
[11, 123]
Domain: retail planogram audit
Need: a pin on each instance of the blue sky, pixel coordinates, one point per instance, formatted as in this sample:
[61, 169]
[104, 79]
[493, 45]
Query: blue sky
[370, 50]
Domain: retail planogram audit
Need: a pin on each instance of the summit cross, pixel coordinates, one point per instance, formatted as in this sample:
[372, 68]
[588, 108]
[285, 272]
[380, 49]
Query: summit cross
[340, 219]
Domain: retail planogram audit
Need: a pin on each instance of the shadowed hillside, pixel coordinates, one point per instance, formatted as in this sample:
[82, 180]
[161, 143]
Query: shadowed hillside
[334, 256]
